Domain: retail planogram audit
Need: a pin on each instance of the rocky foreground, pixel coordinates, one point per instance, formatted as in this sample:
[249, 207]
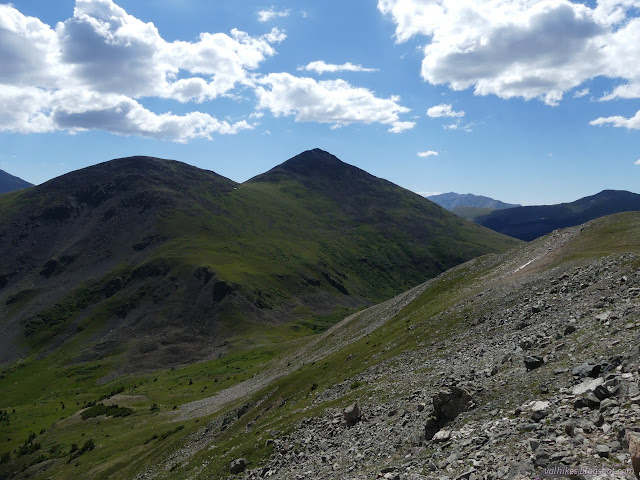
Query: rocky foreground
[541, 379]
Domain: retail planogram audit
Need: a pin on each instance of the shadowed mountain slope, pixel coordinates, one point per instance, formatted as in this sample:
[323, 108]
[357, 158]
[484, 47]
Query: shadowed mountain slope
[154, 262]
[10, 183]
[527, 223]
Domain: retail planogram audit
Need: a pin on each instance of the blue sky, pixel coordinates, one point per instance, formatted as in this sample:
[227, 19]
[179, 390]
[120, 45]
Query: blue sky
[526, 101]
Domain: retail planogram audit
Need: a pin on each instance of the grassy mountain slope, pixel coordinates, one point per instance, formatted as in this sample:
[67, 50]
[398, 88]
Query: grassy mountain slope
[471, 213]
[150, 262]
[527, 223]
[391, 358]
[10, 183]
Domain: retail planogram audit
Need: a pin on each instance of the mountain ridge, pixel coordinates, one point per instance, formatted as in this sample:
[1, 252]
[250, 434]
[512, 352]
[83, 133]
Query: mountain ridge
[159, 256]
[530, 222]
[11, 183]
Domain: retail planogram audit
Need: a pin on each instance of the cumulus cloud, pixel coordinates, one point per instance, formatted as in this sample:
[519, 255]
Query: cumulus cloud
[523, 48]
[428, 153]
[321, 67]
[270, 13]
[331, 101]
[637, 162]
[92, 71]
[632, 123]
[34, 110]
[112, 51]
[444, 110]
[99, 68]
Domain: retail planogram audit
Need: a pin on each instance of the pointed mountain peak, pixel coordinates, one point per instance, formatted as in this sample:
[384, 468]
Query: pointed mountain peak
[312, 164]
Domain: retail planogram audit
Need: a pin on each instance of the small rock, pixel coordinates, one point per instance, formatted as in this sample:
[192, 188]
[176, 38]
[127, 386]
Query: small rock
[589, 400]
[586, 370]
[603, 451]
[633, 439]
[601, 392]
[539, 415]
[569, 329]
[532, 362]
[238, 465]
[569, 428]
[442, 436]
[598, 420]
[352, 414]
[587, 386]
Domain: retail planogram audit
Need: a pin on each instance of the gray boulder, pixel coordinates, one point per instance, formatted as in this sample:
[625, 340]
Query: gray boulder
[447, 405]
[238, 465]
[352, 414]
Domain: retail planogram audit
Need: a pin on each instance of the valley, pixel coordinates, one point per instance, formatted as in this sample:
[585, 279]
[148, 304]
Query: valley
[512, 331]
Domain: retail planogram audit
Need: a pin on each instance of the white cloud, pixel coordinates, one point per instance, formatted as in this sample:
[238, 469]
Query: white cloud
[523, 48]
[321, 67]
[444, 110]
[637, 162]
[459, 126]
[34, 110]
[270, 13]
[113, 52]
[102, 62]
[632, 123]
[581, 93]
[428, 153]
[429, 194]
[331, 101]
[107, 64]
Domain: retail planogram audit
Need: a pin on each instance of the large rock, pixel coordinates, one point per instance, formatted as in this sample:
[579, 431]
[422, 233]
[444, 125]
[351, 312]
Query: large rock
[586, 370]
[587, 386]
[532, 362]
[352, 414]
[589, 400]
[447, 405]
[238, 465]
[633, 438]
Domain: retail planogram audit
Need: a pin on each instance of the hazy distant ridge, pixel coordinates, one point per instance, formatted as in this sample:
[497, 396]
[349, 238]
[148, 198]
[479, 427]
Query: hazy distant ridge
[10, 183]
[452, 200]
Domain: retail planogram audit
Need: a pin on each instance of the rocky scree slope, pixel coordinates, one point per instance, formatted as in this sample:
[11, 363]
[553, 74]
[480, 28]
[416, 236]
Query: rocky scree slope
[499, 368]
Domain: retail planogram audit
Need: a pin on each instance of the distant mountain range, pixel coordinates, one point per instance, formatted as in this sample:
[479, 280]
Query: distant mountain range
[156, 262]
[452, 200]
[528, 223]
[467, 205]
[9, 183]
